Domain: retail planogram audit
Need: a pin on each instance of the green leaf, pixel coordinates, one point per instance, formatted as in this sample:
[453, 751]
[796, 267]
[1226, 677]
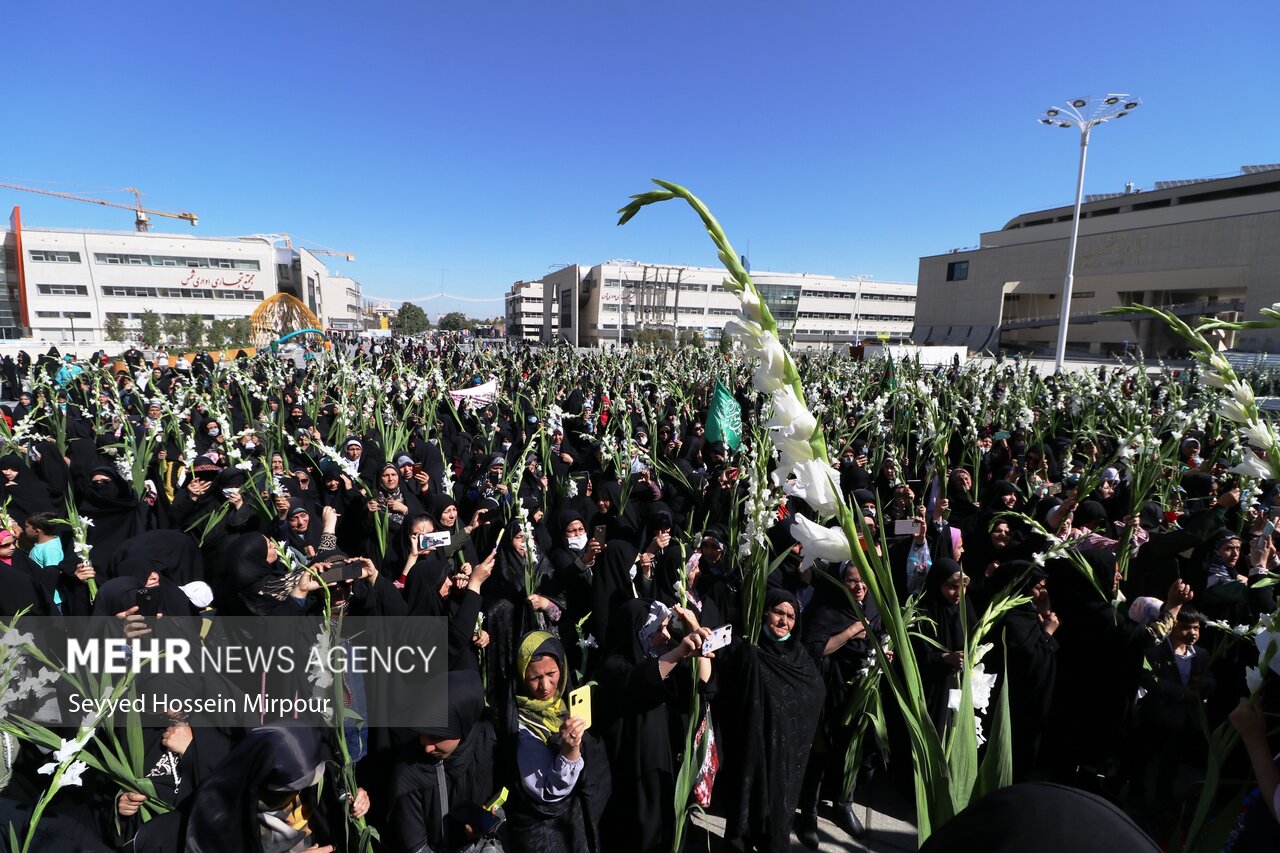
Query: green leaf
[962, 744]
[997, 765]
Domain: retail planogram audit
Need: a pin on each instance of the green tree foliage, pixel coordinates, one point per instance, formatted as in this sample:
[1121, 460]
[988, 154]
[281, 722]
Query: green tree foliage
[241, 332]
[194, 330]
[114, 329]
[175, 326]
[151, 329]
[456, 321]
[220, 333]
[692, 338]
[411, 319]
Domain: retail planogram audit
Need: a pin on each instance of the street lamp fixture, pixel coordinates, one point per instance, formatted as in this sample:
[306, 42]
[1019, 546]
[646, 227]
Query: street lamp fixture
[1085, 114]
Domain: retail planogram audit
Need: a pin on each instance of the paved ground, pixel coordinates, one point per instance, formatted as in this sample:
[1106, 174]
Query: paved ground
[891, 820]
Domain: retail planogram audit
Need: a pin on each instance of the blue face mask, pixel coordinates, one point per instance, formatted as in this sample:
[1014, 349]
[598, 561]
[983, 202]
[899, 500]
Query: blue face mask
[777, 639]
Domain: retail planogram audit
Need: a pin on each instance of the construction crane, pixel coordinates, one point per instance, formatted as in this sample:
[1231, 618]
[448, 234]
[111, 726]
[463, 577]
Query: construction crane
[141, 220]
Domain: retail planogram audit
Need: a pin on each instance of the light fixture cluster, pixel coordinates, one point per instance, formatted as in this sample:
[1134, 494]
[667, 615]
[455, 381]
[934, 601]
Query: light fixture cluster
[1087, 112]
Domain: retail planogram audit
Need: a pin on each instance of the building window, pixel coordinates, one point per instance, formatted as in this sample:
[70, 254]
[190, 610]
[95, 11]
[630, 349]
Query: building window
[76, 315]
[62, 289]
[137, 292]
[54, 256]
[116, 259]
[958, 271]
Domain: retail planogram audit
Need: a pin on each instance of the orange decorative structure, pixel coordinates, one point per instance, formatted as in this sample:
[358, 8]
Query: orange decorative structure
[278, 315]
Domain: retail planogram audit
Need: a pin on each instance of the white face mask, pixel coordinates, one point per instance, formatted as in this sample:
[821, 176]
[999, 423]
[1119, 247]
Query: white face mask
[577, 542]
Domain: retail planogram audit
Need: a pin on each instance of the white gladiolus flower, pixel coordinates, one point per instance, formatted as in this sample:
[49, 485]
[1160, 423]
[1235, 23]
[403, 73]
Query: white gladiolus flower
[1265, 641]
[1232, 410]
[1258, 435]
[1253, 678]
[791, 452]
[1242, 393]
[1252, 466]
[1219, 364]
[750, 304]
[816, 485]
[820, 543]
[790, 417]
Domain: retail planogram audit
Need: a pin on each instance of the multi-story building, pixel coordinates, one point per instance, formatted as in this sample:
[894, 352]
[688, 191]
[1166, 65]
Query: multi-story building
[64, 284]
[1205, 247]
[524, 311]
[607, 303]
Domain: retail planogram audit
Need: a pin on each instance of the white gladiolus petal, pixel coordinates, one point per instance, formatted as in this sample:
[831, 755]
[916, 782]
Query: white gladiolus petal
[820, 543]
[1242, 393]
[750, 304]
[790, 417]
[815, 484]
[1265, 640]
[1253, 678]
[1258, 435]
[1232, 410]
[791, 451]
[1252, 466]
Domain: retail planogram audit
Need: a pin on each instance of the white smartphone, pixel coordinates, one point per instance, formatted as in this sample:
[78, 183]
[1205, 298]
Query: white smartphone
[433, 540]
[719, 638]
[906, 527]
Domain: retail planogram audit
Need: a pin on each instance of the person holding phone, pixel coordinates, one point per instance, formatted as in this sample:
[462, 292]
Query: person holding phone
[554, 769]
[437, 791]
[768, 704]
[643, 686]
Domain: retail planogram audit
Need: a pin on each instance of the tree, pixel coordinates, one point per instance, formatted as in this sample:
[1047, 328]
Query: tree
[174, 327]
[411, 319]
[726, 343]
[693, 338]
[114, 329]
[455, 321]
[194, 330]
[151, 333]
[220, 333]
[241, 332]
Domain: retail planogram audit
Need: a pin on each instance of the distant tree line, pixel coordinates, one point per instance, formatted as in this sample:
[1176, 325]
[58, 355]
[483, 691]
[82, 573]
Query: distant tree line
[189, 330]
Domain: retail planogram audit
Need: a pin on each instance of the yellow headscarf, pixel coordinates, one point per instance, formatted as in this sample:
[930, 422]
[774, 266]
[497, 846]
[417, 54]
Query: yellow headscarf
[541, 716]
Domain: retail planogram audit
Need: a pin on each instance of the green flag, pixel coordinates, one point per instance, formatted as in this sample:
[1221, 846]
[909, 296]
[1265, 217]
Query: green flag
[724, 421]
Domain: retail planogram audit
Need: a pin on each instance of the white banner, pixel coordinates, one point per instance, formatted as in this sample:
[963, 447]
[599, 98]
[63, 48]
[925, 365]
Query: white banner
[486, 393]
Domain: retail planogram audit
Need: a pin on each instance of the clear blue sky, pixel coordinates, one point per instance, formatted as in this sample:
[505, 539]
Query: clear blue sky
[467, 145]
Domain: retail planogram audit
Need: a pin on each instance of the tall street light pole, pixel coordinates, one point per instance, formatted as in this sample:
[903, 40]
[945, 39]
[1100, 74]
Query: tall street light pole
[1085, 114]
[857, 309]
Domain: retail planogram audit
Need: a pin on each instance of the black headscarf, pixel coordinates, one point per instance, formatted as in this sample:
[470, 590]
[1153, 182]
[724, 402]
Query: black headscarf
[270, 762]
[415, 819]
[771, 696]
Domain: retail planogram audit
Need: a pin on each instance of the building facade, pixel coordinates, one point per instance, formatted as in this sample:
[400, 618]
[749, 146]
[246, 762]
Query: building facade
[61, 284]
[1205, 247]
[524, 311]
[606, 304]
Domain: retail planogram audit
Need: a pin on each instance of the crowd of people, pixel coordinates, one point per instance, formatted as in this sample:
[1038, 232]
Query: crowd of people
[597, 529]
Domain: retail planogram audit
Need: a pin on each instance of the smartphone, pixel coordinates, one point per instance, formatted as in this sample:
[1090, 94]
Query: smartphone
[148, 604]
[230, 493]
[417, 468]
[433, 540]
[580, 704]
[341, 572]
[906, 527]
[719, 638]
[1055, 488]
[1002, 435]
[600, 533]
[480, 820]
